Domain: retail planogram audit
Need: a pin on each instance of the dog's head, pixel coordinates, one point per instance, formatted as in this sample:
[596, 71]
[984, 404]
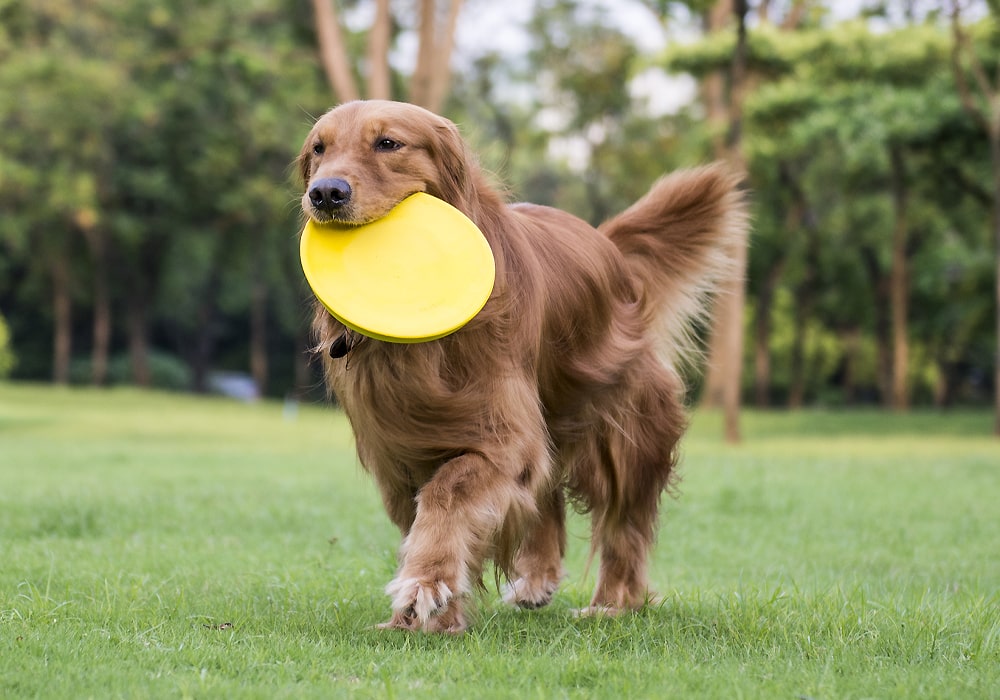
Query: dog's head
[362, 158]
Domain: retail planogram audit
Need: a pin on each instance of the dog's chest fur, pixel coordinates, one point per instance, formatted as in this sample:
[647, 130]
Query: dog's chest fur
[422, 403]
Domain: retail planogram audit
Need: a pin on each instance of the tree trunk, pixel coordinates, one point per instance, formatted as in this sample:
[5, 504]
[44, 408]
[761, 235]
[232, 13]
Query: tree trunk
[797, 369]
[102, 307]
[731, 344]
[762, 354]
[420, 81]
[443, 48]
[899, 285]
[714, 95]
[713, 87]
[62, 330]
[204, 343]
[258, 335]
[883, 324]
[850, 340]
[762, 336]
[137, 330]
[379, 76]
[432, 74]
[946, 385]
[333, 52]
[725, 359]
[805, 292]
[431, 77]
[725, 363]
[793, 16]
[102, 329]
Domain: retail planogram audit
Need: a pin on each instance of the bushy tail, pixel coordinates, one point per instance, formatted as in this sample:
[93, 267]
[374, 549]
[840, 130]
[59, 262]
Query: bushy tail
[678, 240]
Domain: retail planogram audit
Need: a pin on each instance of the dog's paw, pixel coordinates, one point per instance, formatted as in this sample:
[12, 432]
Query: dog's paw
[449, 621]
[416, 599]
[598, 611]
[400, 621]
[600, 608]
[529, 594]
[430, 608]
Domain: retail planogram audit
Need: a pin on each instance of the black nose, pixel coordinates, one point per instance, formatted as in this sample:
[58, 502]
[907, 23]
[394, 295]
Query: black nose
[329, 193]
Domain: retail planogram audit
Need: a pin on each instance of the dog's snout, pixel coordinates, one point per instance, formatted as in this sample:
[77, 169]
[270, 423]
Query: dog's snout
[329, 193]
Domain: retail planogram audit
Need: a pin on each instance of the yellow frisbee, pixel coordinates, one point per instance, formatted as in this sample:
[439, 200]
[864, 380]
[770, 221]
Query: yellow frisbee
[422, 271]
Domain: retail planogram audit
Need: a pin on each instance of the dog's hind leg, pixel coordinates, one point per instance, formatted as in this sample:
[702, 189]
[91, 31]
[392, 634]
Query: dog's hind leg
[637, 449]
[538, 565]
[622, 582]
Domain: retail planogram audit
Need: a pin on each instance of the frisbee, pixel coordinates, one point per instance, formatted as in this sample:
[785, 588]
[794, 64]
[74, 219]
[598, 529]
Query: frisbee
[422, 271]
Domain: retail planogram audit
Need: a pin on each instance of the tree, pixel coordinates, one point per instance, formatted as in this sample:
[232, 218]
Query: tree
[861, 110]
[725, 358]
[431, 77]
[160, 199]
[982, 103]
[59, 207]
[231, 229]
[727, 80]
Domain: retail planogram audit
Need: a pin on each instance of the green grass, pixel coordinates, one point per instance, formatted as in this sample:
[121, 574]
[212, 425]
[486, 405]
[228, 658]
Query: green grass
[156, 545]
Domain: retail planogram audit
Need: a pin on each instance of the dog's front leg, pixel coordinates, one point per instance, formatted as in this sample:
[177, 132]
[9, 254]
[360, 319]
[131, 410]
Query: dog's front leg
[458, 512]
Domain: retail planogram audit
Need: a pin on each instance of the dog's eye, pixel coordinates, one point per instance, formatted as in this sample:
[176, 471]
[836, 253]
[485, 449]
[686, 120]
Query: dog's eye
[387, 144]
[318, 148]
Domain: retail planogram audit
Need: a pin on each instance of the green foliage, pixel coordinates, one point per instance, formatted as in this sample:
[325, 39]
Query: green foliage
[823, 352]
[847, 99]
[7, 359]
[582, 141]
[165, 131]
[167, 372]
[243, 554]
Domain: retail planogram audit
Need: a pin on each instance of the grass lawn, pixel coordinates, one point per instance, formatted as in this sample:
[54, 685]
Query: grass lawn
[156, 545]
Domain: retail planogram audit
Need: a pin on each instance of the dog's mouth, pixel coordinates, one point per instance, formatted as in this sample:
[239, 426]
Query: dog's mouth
[343, 218]
[346, 214]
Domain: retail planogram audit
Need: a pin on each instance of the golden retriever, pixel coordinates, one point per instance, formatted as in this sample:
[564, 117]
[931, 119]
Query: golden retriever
[565, 384]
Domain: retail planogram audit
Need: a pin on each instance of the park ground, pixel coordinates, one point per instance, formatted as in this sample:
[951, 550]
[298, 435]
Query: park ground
[161, 545]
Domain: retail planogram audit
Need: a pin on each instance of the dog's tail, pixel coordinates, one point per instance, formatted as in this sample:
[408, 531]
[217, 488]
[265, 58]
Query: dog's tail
[678, 242]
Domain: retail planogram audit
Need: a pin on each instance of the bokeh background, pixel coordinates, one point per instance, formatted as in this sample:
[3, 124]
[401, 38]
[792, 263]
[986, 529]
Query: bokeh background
[148, 194]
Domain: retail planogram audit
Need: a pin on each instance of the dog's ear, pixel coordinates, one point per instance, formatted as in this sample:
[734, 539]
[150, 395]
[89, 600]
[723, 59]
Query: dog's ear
[455, 164]
[304, 161]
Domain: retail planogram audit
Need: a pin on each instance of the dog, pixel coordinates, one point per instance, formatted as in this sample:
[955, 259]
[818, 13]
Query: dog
[565, 387]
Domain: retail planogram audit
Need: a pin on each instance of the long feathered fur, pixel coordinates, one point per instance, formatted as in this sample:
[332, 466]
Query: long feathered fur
[676, 240]
[564, 385]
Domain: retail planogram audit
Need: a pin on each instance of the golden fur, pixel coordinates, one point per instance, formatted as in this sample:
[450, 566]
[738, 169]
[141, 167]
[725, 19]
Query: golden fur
[565, 383]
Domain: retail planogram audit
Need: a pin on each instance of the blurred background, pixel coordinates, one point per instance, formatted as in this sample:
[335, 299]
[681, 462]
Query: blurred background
[149, 200]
